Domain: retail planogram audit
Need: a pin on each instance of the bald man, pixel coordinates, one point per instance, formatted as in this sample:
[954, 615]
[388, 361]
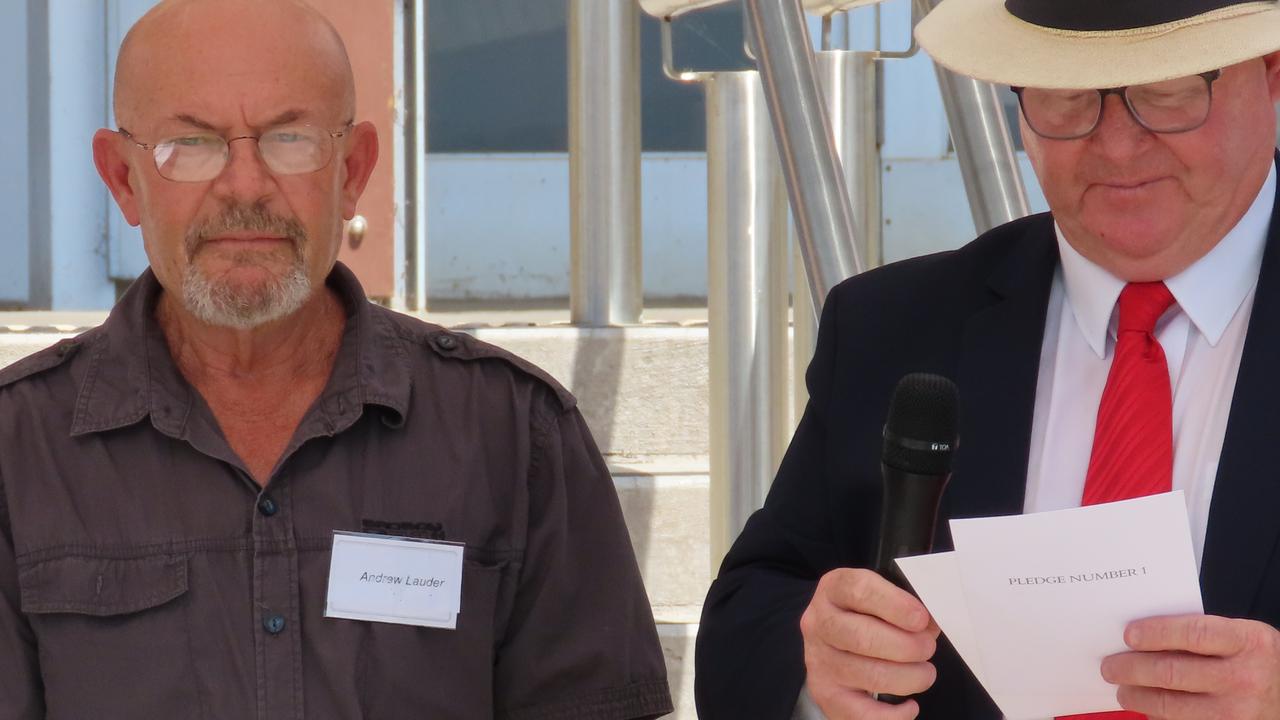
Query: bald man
[253, 494]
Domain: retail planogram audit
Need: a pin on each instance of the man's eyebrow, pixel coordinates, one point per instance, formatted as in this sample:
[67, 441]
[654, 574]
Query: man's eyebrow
[286, 117]
[193, 121]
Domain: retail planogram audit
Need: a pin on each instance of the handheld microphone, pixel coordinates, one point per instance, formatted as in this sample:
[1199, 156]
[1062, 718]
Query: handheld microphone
[920, 434]
[919, 437]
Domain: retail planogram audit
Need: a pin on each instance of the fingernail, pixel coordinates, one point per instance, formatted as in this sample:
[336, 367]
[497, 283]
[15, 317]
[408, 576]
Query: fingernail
[1132, 637]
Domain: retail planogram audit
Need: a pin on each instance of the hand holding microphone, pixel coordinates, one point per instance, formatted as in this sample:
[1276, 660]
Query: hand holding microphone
[863, 634]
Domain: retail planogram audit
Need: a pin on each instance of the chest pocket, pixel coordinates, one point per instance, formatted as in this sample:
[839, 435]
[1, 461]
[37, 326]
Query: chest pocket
[393, 658]
[113, 635]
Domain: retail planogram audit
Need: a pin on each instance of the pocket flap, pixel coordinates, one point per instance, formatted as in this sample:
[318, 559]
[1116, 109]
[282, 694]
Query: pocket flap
[101, 586]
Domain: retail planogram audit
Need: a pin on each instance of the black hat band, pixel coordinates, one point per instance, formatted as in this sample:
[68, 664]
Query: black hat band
[1110, 15]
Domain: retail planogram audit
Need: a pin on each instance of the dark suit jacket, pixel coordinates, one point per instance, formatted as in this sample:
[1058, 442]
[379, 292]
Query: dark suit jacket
[975, 315]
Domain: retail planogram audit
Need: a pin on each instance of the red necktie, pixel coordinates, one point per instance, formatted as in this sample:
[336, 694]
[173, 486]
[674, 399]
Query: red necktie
[1133, 443]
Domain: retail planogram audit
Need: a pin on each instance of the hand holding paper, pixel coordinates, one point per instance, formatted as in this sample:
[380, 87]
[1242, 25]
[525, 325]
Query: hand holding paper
[1198, 666]
[1033, 603]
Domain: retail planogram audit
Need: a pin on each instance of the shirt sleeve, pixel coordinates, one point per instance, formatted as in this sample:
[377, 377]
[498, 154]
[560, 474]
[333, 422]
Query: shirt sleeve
[581, 641]
[750, 655]
[21, 694]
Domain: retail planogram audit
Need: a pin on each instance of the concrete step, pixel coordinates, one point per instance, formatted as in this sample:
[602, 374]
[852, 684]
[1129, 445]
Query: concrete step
[643, 390]
[15, 345]
[677, 648]
[665, 502]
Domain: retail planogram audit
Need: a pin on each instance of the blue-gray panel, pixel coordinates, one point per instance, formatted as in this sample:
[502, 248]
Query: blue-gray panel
[499, 225]
[14, 192]
[925, 207]
[126, 259]
[497, 75]
[71, 244]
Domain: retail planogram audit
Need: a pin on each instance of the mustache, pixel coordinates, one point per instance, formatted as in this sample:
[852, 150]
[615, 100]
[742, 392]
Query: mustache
[245, 218]
[1101, 171]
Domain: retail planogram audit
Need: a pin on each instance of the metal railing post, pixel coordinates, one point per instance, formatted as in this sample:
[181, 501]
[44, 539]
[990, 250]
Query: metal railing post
[413, 168]
[804, 335]
[604, 162]
[819, 201]
[983, 143]
[850, 84]
[747, 296]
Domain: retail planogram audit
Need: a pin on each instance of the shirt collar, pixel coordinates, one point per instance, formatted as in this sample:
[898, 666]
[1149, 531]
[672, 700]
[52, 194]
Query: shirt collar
[1210, 291]
[131, 374]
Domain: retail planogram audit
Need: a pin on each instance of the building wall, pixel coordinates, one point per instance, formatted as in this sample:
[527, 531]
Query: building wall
[497, 195]
[14, 198]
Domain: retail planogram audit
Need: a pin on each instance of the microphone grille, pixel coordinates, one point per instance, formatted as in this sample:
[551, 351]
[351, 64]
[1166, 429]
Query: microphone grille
[923, 425]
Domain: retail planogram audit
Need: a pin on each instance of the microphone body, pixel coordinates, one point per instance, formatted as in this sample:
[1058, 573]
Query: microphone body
[919, 437]
[908, 518]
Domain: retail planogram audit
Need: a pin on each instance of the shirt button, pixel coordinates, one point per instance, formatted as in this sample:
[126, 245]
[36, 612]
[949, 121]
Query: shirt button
[267, 506]
[446, 342]
[273, 624]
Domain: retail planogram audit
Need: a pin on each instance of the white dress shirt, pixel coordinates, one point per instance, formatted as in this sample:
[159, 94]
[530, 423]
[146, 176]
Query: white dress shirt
[1202, 336]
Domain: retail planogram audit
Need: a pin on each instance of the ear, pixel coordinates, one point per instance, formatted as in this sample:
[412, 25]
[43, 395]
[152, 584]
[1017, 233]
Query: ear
[358, 163]
[1272, 63]
[108, 157]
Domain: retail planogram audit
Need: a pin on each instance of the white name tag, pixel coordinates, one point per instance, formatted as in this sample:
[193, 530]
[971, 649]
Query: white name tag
[395, 580]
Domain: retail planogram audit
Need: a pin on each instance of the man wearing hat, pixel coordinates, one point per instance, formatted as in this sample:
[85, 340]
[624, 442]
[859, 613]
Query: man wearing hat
[1122, 345]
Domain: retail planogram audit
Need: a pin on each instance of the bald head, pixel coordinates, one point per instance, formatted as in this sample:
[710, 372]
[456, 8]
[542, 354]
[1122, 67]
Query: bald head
[231, 51]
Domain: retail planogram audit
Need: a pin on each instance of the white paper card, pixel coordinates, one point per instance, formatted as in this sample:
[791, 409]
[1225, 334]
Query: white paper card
[935, 578]
[395, 580]
[1033, 603]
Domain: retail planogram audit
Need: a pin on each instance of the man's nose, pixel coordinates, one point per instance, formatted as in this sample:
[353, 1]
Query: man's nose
[246, 177]
[1119, 134]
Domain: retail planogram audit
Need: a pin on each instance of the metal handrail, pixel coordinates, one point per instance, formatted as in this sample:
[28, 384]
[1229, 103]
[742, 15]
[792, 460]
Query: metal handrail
[851, 82]
[984, 146]
[747, 266]
[820, 205]
[745, 373]
[913, 47]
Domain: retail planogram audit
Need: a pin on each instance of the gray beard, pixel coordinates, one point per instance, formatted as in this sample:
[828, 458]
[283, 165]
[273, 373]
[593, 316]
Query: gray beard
[222, 306]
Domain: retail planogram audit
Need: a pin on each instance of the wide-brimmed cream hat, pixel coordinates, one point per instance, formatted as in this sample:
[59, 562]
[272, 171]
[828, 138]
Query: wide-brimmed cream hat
[1096, 43]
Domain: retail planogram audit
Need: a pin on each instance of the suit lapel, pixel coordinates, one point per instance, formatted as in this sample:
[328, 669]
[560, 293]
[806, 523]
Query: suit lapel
[1243, 517]
[998, 370]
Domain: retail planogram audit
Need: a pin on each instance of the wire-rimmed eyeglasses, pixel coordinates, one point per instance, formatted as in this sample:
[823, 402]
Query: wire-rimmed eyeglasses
[201, 156]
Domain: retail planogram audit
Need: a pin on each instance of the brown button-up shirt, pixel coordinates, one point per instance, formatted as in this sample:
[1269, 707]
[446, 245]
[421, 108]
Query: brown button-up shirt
[143, 574]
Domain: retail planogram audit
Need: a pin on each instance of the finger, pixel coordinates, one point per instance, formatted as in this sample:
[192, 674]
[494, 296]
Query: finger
[856, 672]
[1170, 704]
[1168, 670]
[865, 592]
[841, 704]
[874, 638]
[1199, 634]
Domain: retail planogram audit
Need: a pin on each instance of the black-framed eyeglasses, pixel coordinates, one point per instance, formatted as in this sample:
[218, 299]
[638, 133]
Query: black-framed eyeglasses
[1170, 106]
[202, 156]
